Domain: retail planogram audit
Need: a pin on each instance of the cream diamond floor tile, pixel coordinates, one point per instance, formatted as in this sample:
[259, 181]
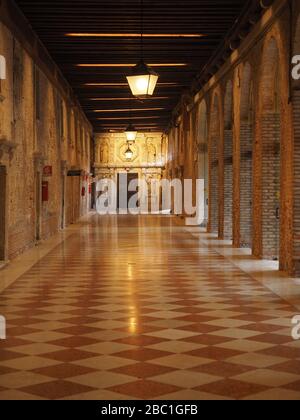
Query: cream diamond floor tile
[257, 360]
[236, 333]
[214, 306]
[181, 361]
[294, 345]
[186, 378]
[21, 379]
[107, 335]
[163, 307]
[245, 345]
[105, 362]
[172, 334]
[49, 326]
[102, 379]
[52, 317]
[44, 336]
[275, 394]
[167, 314]
[38, 348]
[60, 309]
[170, 324]
[28, 363]
[221, 314]
[99, 395]
[228, 323]
[107, 325]
[192, 395]
[281, 322]
[268, 377]
[109, 315]
[176, 346]
[107, 348]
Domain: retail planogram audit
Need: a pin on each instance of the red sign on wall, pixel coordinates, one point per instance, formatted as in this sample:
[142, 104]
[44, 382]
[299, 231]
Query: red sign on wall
[47, 171]
[45, 191]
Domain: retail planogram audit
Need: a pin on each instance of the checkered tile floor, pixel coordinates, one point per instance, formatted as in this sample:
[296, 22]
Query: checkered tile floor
[137, 308]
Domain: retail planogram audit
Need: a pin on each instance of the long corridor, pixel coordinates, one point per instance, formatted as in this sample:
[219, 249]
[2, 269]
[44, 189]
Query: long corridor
[143, 308]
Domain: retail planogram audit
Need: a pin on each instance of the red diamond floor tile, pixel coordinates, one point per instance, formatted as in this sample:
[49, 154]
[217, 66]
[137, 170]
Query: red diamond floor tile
[142, 354]
[69, 355]
[233, 389]
[56, 389]
[145, 389]
[63, 371]
[224, 368]
[143, 370]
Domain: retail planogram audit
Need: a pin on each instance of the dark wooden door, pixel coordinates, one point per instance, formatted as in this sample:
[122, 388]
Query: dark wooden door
[124, 181]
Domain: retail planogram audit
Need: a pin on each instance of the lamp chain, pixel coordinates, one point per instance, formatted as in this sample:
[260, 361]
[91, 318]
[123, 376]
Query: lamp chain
[142, 29]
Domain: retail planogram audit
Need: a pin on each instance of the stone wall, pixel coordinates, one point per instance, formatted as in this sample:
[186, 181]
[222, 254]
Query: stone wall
[37, 146]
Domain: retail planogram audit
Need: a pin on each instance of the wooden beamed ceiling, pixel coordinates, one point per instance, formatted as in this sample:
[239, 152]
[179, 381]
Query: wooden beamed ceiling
[102, 90]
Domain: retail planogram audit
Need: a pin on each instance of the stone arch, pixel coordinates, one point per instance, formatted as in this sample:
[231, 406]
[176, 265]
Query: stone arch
[202, 153]
[228, 160]
[270, 121]
[214, 164]
[246, 156]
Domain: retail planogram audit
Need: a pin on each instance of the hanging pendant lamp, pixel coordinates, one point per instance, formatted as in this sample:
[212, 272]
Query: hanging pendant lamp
[131, 132]
[143, 79]
[129, 153]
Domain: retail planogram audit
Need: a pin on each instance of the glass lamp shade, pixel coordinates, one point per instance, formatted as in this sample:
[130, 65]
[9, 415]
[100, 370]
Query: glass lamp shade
[129, 153]
[131, 133]
[142, 81]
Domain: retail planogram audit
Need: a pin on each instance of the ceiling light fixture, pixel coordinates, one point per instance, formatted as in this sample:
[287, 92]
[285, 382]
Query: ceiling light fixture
[129, 118]
[125, 99]
[143, 79]
[100, 65]
[131, 133]
[128, 153]
[129, 35]
[126, 85]
[106, 84]
[128, 110]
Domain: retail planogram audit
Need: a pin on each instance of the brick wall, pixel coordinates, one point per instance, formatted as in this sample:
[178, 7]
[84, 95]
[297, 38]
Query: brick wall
[214, 186]
[246, 139]
[228, 183]
[270, 185]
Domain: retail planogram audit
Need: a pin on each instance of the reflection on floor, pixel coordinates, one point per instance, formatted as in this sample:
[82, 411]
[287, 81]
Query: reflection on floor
[143, 308]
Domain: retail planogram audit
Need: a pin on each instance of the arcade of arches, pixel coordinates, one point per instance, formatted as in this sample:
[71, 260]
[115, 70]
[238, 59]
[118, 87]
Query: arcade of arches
[108, 307]
[244, 124]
